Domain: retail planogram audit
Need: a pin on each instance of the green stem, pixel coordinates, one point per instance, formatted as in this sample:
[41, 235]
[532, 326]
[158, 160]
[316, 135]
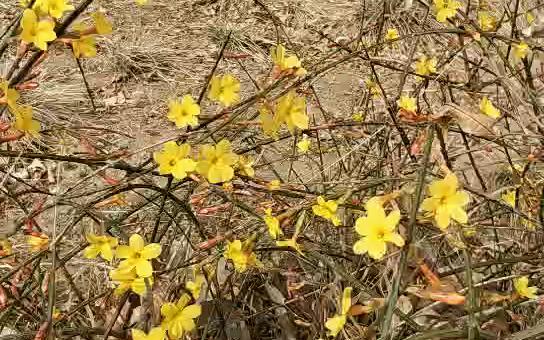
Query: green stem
[386, 331]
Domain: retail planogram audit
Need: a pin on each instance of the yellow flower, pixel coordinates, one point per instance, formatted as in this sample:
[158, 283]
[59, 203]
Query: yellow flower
[138, 255]
[40, 6]
[141, 2]
[522, 288]
[518, 167]
[520, 50]
[487, 108]
[37, 32]
[80, 27]
[446, 9]
[179, 318]
[376, 229]
[84, 47]
[24, 120]
[38, 242]
[6, 248]
[486, 21]
[273, 224]
[270, 122]
[290, 243]
[224, 89]
[510, 198]
[156, 333]
[9, 96]
[358, 117]
[101, 23]
[241, 254]
[195, 285]
[102, 245]
[274, 184]
[407, 103]
[174, 159]
[304, 145]
[128, 279]
[291, 109]
[373, 88]
[56, 8]
[425, 66]
[392, 34]
[327, 210]
[184, 112]
[56, 313]
[285, 63]
[245, 166]
[446, 202]
[216, 162]
[530, 17]
[337, 322]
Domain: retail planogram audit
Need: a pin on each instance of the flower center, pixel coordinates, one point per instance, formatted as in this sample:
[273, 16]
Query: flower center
[444, 200]
[381, 233]
[214, 160]
[172, 162]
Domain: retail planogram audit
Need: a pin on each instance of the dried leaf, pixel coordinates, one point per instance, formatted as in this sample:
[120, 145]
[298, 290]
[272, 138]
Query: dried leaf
[449, 298]
[360, 309]
[117, 200]
[431, 277]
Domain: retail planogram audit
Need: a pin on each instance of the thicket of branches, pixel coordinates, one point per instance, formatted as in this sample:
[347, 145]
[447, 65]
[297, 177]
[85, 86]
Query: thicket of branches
[262, 214]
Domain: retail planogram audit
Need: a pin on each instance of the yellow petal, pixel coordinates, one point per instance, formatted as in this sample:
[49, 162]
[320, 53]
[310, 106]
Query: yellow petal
[183, 301]
[304, 145]
[459, 214]
[376, 248]
[106, 252]
[361, 226]
[335, 324]
[91, 252]
[392, 219]
[192, 311]
[346, 300]
[361, 246]
[138, 334]
[430, 204]
[169, 310]
[144, 268]
[124, 252]
[151, 251]
[220, 173]
[136, 243]
[510, 198]
[156, 333]
[102, 24]
[395, 238]
[442, 217]
[374, 206]
[460, 198]
[138, 286]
